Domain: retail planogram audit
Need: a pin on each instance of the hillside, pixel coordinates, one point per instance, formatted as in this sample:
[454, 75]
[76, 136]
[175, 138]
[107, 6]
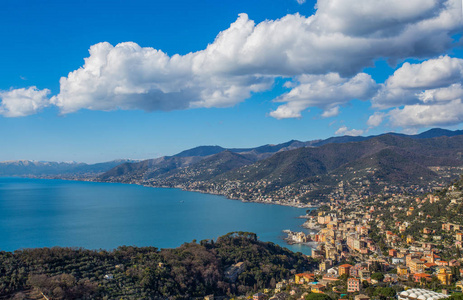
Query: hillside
[191, 270]
[309, 173]
[209, 168]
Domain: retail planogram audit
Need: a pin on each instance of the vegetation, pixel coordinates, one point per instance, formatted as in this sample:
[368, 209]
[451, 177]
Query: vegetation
[191, 270]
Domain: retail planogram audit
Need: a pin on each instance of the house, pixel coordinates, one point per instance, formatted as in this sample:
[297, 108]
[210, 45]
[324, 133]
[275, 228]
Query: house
[421, 277]
[259, 296]
[330, 277]
[344, 269]
[317, 288]
[364, 274]
[353, 285]
[444, 276]
[233, 271]
[398, 260]
[304, 278]
[416, 266]
[361, 297]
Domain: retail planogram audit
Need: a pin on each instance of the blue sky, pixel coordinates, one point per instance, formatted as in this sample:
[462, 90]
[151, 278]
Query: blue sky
[231, 73]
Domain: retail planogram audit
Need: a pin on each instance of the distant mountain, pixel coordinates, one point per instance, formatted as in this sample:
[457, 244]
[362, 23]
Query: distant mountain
[381, 160]
[390, 158]
[37, 168]
[437, 132]
[281, 164]
[201, 151]
[209, 168]
[146, 169]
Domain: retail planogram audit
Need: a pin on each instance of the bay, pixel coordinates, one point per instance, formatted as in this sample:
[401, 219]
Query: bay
[46, 213]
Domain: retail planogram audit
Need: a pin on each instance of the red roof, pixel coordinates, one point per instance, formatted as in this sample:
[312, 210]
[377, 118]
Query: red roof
[422, 275]
[345, 266]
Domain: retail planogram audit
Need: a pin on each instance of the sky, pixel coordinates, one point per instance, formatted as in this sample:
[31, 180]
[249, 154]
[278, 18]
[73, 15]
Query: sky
[94, 81]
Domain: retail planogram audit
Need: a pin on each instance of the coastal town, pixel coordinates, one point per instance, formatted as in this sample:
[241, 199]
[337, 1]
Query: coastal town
[393, 245]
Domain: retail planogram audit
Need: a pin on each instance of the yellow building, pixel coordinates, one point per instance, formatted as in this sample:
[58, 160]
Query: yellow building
[444, 276]
[459, 285]
[402, 271]
[304, 278]
[416, 266]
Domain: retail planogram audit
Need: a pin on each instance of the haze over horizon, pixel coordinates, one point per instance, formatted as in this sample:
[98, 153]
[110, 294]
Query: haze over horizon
[97, 81]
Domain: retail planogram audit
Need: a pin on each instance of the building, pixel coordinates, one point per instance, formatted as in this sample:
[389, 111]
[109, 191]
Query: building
[420, 294]
[421, 277]
[304, 278]
[416, 266]
[353, 285]
[259, 296]
[364, 274]
[324, 265]
[361, 297]
[444, 276]
[317, 288]
[233, 271]
[344, 269]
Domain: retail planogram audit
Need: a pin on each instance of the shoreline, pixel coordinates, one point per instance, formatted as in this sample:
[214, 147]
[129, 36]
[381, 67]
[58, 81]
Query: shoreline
[92, 179]
[177, 188]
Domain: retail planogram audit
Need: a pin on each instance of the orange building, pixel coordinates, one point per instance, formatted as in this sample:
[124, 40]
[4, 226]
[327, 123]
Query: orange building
[422, 277]
[344, 269]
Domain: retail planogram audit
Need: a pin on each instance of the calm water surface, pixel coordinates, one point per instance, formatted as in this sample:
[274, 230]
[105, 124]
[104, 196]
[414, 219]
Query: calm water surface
[46, 213]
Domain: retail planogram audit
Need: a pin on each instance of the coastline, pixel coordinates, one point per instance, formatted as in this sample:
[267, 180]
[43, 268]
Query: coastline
[280, 237]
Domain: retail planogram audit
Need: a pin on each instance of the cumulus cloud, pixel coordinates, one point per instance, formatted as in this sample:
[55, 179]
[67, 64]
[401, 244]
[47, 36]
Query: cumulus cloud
[331, 112]
[327, 49]
[427, 81]
[417, 115]
[429, 93]
[343, 130]
[324, 91]
[375, 119]
[23, 102]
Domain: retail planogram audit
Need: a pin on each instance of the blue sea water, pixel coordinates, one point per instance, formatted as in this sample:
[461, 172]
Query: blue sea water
[46, 213]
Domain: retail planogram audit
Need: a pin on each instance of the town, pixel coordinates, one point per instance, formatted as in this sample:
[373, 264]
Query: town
[390, 245]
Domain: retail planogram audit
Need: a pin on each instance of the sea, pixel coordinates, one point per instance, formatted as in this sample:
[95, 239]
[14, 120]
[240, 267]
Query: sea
[47, 212]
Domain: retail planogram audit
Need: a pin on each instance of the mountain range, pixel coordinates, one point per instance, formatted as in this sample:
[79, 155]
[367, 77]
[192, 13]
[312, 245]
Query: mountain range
[315, 167]
[30, 168]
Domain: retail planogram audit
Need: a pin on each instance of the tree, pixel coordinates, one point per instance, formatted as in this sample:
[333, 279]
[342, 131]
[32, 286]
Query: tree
[456, 296]
[315, 296]
[378, 276]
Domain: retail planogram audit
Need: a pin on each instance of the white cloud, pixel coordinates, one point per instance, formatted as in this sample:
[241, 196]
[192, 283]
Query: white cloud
[429, 93]
[324, 91]
[375, 119]
[418, 115]
[342, 37]
[331, 112]
[343, 130]
[414, 83]
[301, 1]
[23, 102]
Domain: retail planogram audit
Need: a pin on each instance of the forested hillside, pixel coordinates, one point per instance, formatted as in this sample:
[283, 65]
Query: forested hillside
[191, 270]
